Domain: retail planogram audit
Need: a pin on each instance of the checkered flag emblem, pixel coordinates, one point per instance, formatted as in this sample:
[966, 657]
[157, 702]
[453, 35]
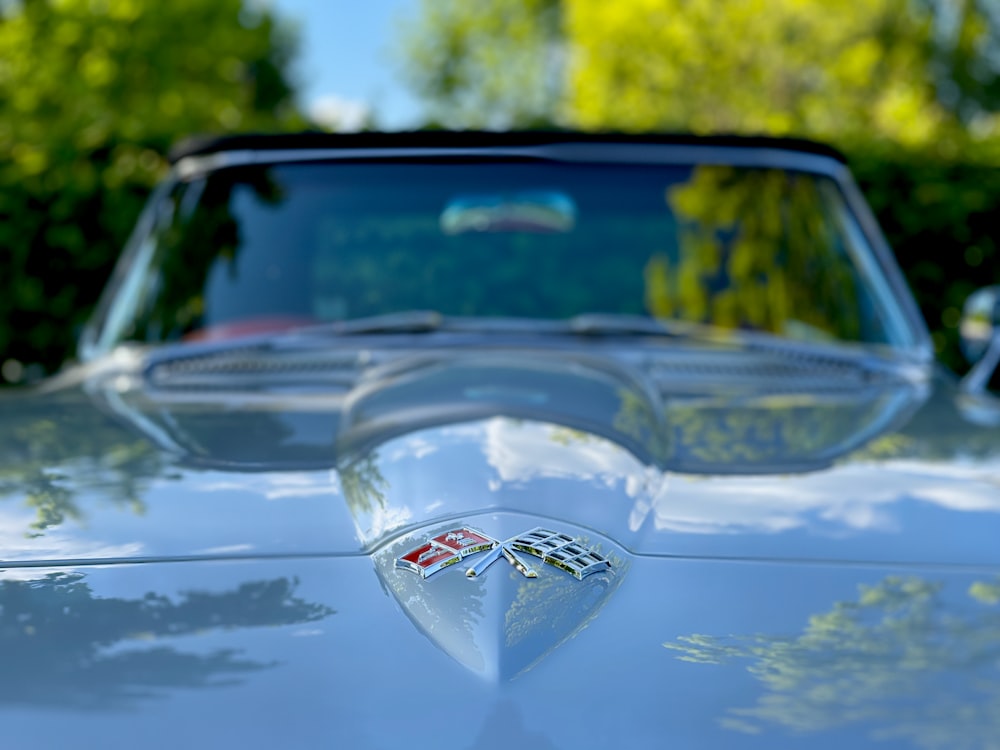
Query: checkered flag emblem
[561, 551]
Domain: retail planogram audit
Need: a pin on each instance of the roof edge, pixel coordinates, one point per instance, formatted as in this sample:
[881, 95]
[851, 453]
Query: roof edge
[205, 145]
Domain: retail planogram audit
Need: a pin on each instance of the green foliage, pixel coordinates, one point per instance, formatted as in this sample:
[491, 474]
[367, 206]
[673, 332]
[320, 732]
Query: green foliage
[939, 217]
[908, 73]
[826, 67]
[968, 34]
[911, 72]
[92, 94]
[492, 64]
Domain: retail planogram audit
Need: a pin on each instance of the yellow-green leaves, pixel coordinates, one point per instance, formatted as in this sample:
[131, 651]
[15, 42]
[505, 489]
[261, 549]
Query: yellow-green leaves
[741, 266]
[834, 69]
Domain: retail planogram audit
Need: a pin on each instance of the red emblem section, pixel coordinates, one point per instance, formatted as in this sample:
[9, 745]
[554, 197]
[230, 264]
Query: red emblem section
[444, 550]
[465, 541]
[428, 555]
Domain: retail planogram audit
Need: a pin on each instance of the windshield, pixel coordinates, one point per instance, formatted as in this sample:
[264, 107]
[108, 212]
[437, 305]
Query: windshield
[267, 247]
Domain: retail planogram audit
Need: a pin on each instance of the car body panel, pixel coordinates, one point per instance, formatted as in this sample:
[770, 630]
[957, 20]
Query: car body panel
[304, 653]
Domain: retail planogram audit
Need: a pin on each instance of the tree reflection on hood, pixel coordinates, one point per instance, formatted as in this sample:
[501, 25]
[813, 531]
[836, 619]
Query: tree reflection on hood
[69, 647]
[908, 659]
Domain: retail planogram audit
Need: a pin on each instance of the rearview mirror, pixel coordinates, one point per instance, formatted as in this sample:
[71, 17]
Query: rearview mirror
[545, 211]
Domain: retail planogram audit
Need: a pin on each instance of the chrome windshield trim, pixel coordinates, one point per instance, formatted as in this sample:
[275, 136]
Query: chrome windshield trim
[920, 344]
[618, 153]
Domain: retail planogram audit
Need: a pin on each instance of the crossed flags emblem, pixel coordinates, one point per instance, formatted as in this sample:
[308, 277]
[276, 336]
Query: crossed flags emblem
[448, 548]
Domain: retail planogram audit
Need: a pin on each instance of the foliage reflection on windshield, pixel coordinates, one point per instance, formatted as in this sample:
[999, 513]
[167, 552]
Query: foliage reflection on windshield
[758, 249]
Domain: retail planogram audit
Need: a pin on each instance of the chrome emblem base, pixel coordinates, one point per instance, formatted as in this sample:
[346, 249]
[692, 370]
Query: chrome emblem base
[553, 548]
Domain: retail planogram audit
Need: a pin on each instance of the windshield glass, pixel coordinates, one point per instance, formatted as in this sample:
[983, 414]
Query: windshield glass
[266, 247]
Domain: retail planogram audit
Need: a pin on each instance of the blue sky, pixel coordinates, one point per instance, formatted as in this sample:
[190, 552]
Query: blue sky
[347, 59]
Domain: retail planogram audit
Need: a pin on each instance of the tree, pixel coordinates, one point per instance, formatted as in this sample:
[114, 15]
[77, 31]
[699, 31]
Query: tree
[911, 72]
[486, 64]
[92, 95]
[835, 69]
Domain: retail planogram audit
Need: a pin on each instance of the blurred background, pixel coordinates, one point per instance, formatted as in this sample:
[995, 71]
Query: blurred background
[94, 92]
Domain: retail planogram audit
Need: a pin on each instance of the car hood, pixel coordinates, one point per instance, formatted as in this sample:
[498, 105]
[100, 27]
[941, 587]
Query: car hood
[787, 565]
[883, 470]
[317, 652]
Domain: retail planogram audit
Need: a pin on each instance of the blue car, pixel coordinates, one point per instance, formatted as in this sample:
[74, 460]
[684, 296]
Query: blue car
[497, 440]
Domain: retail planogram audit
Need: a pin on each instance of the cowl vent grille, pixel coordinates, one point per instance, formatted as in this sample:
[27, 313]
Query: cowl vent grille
[762, 372]
[678, 370]
[260, 370]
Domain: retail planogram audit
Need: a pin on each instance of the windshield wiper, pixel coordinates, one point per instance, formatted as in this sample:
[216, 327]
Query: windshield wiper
[585, 324]
[407, 321]
[621, 324]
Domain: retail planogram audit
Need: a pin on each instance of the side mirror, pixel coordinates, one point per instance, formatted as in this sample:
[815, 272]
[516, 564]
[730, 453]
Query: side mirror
[980, 336]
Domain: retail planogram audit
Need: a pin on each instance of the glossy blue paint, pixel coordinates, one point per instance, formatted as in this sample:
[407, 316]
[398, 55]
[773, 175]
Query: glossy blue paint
[198, 544]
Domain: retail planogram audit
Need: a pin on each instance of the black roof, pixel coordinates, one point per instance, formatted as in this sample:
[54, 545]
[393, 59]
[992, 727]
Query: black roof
[203, 145]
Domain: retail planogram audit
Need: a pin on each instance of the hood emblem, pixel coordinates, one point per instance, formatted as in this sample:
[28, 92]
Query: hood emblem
[551, 547]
